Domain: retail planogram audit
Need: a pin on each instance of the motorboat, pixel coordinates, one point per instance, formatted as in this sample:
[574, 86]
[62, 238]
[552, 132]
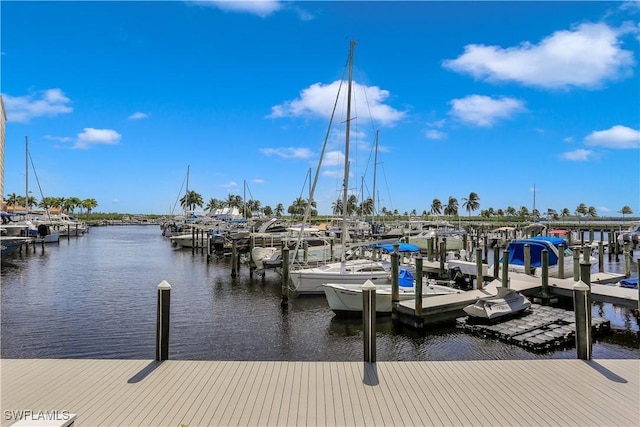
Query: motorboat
[632, 236]
[309, 281]
[516, 250]
[631, 283]
[346, 299]
[507, 302]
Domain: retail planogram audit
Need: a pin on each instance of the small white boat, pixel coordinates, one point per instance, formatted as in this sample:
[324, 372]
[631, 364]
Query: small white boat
[506, 302]
[346, 299]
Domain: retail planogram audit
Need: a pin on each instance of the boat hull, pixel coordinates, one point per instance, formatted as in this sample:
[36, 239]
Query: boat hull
[346, 300]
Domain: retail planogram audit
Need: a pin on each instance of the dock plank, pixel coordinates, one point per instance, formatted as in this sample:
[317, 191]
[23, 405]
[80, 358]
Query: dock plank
[564, 392]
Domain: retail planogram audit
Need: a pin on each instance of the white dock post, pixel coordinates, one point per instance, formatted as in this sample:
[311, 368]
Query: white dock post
[369, 320]
[162, 324]
[582, 308]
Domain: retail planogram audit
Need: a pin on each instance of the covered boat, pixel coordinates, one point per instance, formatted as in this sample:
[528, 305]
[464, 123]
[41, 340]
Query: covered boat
[505, 303]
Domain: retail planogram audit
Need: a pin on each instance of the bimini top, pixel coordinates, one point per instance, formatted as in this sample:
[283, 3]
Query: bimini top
[402, 247]
[536, 245]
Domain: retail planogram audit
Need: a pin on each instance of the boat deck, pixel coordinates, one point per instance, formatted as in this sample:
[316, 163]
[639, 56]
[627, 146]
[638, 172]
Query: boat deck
[222, 393]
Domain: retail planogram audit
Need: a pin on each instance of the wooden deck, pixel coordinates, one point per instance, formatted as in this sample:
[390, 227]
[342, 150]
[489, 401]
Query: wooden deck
[225, 393]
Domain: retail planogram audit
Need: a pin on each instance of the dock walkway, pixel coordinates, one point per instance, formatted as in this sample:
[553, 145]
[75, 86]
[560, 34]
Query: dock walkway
[566, 392]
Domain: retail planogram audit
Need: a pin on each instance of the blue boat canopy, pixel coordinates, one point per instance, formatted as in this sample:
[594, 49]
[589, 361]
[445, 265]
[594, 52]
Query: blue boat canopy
[402, 247]
[536, 245]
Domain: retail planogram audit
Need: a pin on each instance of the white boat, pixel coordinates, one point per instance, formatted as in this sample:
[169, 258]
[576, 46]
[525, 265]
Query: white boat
[505, 303]
[346, 299]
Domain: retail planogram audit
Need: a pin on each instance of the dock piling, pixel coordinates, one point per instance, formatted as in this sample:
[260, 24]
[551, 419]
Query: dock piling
[627, 260]
[505, 268]
[369, 320]
[561, 261]
[285, 276]
[582, 309]
[527, 259]
[479, 275]
[162, 324]
[545, 273]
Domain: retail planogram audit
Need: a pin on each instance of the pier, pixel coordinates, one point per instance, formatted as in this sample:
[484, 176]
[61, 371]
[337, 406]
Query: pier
[221, 393]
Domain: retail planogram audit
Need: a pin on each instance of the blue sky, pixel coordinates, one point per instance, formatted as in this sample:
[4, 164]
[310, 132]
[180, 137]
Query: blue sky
[119, 99]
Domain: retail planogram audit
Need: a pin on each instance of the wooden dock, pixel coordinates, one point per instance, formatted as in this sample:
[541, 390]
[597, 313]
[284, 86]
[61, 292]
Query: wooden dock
[564, 392]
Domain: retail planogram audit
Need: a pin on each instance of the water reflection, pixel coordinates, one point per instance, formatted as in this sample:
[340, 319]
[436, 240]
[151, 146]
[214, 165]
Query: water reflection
[95, 297]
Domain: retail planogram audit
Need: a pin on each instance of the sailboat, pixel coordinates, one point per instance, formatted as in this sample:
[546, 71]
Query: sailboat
[41, 230]
[307, 281]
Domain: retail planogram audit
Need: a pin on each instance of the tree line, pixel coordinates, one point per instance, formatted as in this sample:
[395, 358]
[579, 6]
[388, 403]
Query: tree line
[366, 207]
[67, 205]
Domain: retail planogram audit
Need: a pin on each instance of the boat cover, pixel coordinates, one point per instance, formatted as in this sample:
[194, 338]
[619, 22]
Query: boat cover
[402, 247]
[629, 283]
[536, 245]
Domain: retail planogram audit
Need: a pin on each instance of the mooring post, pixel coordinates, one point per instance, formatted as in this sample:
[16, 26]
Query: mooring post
[627, 261]
[479, 275]
[443, 254]
[69, 231]
[576, 265]
[395, 287]
[305, 248]
[527, 259]
[582, 309]
[208, 247]
[234, 258]
[369, 320]
[285, 275]
[585, 273]
[601, 256]
[505, 268]
[496, 261]
[545, 273]
[193, 240]
[162, 324]
[418, 293]
[561, 261]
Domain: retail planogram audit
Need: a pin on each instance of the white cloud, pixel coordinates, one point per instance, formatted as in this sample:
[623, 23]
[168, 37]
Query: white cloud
[579, 155]
[230, 185]
[262, 8]
[615, 137]
[50, 102]
[258, 181]
[435, 134]
[318, 100]
[483, 110]
[59, 138]
[333, 158]
[91, 136]
[585, 56]
[138, 115]
[288, 152]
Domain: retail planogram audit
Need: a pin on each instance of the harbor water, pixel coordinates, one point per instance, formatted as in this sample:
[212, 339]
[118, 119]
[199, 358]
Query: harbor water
[95, 296]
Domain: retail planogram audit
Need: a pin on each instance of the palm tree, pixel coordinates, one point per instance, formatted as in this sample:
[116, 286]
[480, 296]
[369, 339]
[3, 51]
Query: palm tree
[267, 210]
[452, 206]
[626, 210]
[214, 204]
[13, 199]
[279, 209]
[471, 203]
[190, 200]
[336, 207]
[436, 207]
[89, 204]
[366, 207]
[523, 212]
[352, 204]
[511, 211]
[591, 212]
[565, 213]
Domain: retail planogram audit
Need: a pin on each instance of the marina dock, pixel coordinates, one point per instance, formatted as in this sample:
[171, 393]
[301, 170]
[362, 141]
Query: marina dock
[443, 308]
[222, 393]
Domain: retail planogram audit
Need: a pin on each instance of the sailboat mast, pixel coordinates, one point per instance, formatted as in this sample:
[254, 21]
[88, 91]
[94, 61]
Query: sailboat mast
[343, 233]
[375, 165]
[26, 175]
